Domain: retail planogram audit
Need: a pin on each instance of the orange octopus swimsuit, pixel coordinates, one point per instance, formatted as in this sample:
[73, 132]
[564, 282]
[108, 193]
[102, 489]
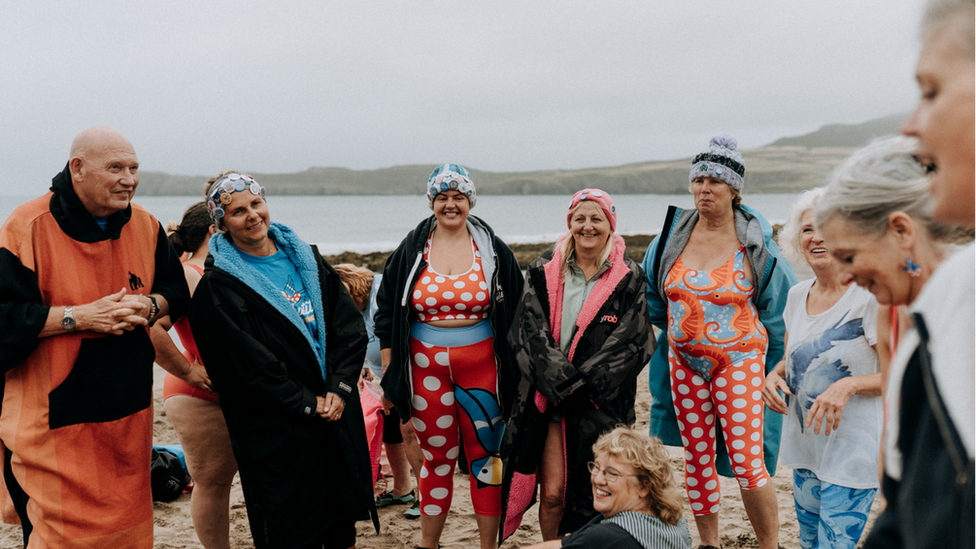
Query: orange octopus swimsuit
[717, 355]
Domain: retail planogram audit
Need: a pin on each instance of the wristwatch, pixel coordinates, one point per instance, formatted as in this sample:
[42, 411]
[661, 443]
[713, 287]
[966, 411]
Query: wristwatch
[68, 321]
[153, 309]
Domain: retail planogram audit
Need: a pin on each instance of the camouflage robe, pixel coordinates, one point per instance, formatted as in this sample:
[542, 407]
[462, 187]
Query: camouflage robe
[594, 393]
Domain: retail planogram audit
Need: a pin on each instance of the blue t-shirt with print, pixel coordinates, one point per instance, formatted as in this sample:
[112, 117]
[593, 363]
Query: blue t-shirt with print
[282, 274]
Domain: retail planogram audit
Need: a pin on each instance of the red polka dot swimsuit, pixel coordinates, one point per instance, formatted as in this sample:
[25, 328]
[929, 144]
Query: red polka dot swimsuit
[454, 381]
[446, 297]
[717, 355]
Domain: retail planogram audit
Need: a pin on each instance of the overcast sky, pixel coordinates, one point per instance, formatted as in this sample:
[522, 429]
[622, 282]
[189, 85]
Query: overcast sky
[498, 85]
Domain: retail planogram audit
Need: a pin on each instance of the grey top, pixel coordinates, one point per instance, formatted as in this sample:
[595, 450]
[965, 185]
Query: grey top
[630, 529]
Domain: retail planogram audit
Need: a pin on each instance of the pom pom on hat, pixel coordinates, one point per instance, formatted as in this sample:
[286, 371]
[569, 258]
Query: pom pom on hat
[720, 161]
[725, 141]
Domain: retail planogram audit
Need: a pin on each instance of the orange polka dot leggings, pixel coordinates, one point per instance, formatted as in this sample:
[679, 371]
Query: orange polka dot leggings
[733, 397]
[454, 377]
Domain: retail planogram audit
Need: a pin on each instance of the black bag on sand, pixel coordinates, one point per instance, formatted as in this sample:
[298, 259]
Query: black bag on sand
[168, 479]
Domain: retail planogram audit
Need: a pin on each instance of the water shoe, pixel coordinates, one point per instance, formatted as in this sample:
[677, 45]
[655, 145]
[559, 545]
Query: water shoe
[413, 512]
[388, 498]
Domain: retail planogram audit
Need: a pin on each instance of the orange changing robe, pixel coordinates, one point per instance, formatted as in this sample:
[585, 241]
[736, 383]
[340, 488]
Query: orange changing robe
[77, 408]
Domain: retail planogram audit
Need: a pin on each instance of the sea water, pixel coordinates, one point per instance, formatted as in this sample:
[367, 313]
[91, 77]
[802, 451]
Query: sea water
[378, 223]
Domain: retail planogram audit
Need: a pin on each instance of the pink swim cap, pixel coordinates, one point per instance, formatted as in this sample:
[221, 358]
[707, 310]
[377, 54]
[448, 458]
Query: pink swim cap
[601, 198]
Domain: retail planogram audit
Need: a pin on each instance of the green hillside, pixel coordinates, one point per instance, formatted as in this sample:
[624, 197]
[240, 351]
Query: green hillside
[846, 135]
[787, 165]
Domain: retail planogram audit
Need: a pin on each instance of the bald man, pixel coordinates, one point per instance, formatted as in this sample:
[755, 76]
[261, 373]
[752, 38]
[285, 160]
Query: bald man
[84, 273]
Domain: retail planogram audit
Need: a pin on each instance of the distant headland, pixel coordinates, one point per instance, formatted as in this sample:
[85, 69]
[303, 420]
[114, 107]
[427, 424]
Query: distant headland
[787, 165]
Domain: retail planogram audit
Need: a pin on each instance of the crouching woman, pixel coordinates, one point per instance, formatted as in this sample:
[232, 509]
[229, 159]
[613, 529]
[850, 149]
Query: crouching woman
[634, 493]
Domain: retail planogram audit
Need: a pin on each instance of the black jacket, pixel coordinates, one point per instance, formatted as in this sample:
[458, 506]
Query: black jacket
[933, 503]
[300, 473]
[394, 314]
[594, 392]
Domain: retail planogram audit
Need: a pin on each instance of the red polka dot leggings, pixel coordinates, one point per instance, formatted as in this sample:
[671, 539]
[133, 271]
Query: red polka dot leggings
[454, 393]
[734, 396]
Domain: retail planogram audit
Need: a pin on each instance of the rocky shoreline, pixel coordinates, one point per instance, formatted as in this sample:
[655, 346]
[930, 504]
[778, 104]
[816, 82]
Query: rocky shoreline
[524, 253]
[636, 248]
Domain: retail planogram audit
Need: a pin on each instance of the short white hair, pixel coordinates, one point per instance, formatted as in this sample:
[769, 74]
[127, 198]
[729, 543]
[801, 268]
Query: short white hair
[789, 235]
[876, 181]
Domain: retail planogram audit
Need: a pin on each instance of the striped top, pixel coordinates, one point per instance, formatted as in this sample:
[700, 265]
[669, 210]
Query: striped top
[630, 529]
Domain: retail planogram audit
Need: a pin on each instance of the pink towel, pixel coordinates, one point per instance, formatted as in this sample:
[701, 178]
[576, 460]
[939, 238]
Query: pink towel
[373, 418]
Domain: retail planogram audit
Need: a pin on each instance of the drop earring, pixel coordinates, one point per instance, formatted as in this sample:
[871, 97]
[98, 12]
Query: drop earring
[913, 269]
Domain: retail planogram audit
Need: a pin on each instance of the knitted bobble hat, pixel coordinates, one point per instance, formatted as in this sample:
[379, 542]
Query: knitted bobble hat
[720, 161]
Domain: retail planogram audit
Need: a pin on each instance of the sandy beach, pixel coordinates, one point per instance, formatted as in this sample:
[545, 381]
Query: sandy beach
[174, 529]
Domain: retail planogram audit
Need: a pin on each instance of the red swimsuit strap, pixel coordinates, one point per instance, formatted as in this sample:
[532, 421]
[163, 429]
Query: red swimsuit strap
[894, 328]
[196, 268]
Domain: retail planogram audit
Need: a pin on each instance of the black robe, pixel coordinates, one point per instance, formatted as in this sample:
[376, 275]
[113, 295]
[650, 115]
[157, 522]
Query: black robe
[300, 473]
[595, 391]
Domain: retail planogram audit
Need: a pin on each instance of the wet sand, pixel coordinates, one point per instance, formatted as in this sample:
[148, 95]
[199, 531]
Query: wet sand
[174, 528]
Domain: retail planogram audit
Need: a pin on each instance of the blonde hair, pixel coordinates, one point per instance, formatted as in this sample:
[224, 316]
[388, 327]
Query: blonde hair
[569, 243]
[650, 462]
[358, 280]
